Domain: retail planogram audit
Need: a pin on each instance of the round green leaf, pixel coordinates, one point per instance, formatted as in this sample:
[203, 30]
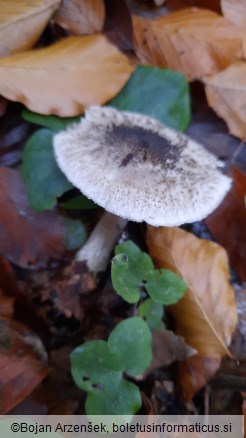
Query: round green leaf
[95, 368]
[130, 342]
[124, 281]
[124, 399]
[165, 286]
[139, 261]
[75, 233]
[45, 182]
[157, 92]
[152, 312]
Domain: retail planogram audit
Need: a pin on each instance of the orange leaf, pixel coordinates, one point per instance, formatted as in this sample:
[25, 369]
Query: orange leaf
[198, 42]
[22, 363]
[195, 372]
[206, 316]
[226, 94]
[22, 22]
[66, 77]
[227, 223]
[81, 17]
[235, 11]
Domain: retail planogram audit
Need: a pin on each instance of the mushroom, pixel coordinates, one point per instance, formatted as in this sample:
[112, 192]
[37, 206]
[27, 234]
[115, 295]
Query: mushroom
[139, 170]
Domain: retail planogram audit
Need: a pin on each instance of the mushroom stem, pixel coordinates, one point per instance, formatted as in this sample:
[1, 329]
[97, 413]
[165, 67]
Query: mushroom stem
[96, 251]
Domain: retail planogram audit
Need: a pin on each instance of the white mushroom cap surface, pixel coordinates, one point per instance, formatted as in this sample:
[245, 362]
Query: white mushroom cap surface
[139, 169]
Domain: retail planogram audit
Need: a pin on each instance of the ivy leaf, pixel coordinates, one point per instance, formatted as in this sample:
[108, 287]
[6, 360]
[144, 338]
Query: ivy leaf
[95, 368]
[159, 93]
[123, 399]
[165, 286]
[130, 342]
[51, 122]
[152, 312]
[44, 180]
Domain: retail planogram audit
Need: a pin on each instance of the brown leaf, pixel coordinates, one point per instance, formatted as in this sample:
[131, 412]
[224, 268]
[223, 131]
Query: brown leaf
[195, 372]
[27, 238]
[66, 77]
[235, 11]
[206, 316]
[22, 22]
[22, 363]
[6, 305]
[226, 94]
[206, 4]
[168, 348]
[227, 223]
[197, 42]
[81, 17]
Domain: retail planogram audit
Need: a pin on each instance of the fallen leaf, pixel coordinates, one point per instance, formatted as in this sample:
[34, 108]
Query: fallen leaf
[227, 223]
[65, 77]
[22, 22]
[168, 348]
[195, 372]
[238, 345]
[27, 238]
[197, 42]
[22, 363]
[81, 17]
[206, 4]
[6, 305]
[206, 316]
[235, 11]
[226, 94]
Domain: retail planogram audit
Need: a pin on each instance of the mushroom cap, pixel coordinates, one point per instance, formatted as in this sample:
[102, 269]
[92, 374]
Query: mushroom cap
[139, 169]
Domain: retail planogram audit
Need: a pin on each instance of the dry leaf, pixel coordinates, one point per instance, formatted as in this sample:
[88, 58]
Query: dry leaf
[206, 316]
[195, 372]
[168, 348]
[227, 223]
[206, 4]
[27, 238]
[22, 22]
[195, 41]
[235, 11]
[66, 77]
[81, 17]
[22, 363]
[226, 94]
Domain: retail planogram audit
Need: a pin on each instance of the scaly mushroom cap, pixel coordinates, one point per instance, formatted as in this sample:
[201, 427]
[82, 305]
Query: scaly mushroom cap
[137, 168]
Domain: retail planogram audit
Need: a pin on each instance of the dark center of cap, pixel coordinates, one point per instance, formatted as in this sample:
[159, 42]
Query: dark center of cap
[134, 144]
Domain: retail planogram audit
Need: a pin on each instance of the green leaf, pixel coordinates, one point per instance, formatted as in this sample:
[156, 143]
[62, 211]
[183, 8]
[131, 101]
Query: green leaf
[95, 368]
[75, 233]
[157, 92]
[123, 399]
[130, 342]
[165, 286]
[80, 202]
[52, 122]
[139, 261]
[152, 312]
[124, 281]
[44, 180]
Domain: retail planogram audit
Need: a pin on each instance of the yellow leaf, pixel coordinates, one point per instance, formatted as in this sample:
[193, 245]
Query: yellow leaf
[66, 77]
[195, 41]
[22, 22]
[206, 317]
[226, 94]
[81, 17]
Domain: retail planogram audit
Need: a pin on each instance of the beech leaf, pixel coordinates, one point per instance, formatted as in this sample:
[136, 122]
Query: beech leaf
[197, 42]
[81, 17]
[226, 94]
[206, 316]
[235, 11]
[66, 77]
[22, 22]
